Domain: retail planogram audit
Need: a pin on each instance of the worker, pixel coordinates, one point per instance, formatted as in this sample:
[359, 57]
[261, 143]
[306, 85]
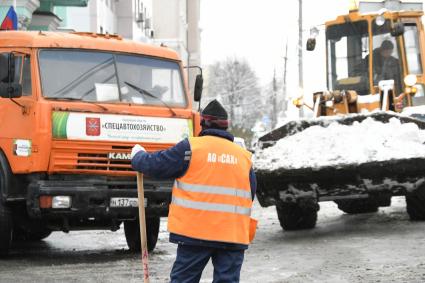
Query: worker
[386, 66]
[209, 216]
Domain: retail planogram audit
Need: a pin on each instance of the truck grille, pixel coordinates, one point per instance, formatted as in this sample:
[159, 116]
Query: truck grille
[95, 161]
[82, 157]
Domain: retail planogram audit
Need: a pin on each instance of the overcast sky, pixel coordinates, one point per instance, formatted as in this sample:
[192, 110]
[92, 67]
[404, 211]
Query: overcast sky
[258, 30]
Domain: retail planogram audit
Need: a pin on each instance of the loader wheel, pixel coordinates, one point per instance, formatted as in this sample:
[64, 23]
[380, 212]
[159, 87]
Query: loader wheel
[132, 233]
[297, 217]
[6, 228]
[415, 204]
[355, 206]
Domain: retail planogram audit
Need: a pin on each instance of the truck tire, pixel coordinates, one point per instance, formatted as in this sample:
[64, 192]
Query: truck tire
[355, 206]
[6, 222]
[132, 233]
[31, 235]
[6, 228]
[415, 204]
[38, 235]
[297, 217]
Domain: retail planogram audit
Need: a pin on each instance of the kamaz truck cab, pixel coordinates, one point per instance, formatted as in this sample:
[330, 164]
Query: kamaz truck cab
[72, 106]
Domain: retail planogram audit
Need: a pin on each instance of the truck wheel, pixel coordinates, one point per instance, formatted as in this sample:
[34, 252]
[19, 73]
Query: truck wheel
[296, 217]
[5, 229]
[132, 233]
[355, 206]
[32, 235]
[415, 204]
[38, 235]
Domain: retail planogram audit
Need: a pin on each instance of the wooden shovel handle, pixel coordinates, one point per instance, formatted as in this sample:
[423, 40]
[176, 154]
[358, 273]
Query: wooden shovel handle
[142, 222]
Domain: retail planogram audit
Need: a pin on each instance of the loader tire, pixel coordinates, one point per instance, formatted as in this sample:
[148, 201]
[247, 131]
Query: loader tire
[296, 217]
[132, 233]
[415, 204]
[356, 206]
[6, 228]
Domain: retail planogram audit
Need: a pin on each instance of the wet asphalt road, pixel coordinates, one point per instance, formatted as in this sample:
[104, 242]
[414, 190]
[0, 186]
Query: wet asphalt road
[376, 247]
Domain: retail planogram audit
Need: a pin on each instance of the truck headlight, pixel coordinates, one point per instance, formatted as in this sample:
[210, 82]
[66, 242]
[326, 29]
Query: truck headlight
[61, 202]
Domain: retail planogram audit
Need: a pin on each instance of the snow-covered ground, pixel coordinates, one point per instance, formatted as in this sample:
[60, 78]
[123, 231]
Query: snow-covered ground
[339, 144]
[373, 247]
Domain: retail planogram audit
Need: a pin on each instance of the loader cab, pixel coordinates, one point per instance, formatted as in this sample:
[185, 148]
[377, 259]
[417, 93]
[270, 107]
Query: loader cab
[363, 50]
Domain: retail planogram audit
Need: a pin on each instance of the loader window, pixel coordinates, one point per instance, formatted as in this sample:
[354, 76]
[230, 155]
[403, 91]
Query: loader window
[348, 46]
[105, 77]
[413, 53]
[385, 56]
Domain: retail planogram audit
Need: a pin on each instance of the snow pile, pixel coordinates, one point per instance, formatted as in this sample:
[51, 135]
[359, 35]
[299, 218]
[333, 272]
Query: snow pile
[414, 110]
[338, 144]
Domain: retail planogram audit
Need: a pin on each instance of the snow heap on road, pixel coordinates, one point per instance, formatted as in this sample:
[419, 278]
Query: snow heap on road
[338, 145]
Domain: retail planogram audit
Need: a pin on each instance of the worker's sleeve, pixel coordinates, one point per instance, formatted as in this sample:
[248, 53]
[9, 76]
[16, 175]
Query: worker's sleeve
[164, 164]
[253, 182]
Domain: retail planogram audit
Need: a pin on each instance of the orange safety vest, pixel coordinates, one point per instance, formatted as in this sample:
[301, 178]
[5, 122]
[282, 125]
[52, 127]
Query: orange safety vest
[213, 201]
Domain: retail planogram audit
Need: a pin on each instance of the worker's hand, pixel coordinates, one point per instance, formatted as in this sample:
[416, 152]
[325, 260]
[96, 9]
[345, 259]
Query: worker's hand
[136, 149]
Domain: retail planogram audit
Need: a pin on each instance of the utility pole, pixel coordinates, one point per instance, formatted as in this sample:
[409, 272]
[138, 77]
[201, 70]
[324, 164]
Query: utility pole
[274, 101]
[300, 52]
[285, 68]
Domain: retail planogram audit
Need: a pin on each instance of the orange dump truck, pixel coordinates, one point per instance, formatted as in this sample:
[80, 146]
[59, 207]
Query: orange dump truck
[72, 106]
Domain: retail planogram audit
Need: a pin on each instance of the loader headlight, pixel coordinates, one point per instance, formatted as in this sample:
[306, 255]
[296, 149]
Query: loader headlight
[380, 20]
[410, 80]
[298, 102]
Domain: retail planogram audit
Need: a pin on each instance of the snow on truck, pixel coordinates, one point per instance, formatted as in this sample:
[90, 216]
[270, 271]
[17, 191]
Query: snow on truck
[361, 148]
[72, 106]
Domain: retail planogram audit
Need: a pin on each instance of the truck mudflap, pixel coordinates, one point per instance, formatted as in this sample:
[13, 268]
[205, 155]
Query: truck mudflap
[392, 177]
[91, 200]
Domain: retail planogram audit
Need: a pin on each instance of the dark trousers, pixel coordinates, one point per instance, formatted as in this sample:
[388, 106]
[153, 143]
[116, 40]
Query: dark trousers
[191, 261]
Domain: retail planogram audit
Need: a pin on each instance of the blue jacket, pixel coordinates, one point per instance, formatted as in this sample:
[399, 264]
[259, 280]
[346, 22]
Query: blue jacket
[173, 163]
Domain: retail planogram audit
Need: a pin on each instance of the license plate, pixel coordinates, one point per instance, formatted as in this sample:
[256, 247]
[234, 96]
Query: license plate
[126, 202]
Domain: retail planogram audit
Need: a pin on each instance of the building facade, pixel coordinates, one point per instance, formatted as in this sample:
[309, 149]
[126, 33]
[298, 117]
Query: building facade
[176, 24]
[38, 14]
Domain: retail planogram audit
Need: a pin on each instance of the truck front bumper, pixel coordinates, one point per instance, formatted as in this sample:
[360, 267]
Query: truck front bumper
[91, 201]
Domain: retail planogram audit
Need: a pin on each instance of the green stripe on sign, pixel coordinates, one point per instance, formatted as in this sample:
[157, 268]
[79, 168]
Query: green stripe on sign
[59, 123]
[190, 124]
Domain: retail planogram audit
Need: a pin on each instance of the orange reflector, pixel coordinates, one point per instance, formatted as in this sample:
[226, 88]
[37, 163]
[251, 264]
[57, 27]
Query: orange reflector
[45, 202]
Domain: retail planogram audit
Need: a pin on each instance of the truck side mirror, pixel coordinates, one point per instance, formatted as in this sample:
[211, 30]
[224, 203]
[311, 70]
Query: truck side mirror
[199, 83]
[10, 90]
[397, 29]
[11, 67]
[311, 44]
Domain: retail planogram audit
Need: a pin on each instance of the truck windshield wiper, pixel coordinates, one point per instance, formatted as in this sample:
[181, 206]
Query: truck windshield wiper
[147, 93]
[79, 99]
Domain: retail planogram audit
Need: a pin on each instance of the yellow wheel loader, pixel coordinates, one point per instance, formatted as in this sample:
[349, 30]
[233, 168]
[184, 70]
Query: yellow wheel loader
[361, 147]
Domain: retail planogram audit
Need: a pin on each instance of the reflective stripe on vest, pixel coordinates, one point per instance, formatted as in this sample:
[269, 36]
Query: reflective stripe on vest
[213, 200]
[213, 190]
[211, 206]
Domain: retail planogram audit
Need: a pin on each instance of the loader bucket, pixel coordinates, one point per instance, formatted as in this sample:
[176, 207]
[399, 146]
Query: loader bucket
[294, 127]
[337, 182]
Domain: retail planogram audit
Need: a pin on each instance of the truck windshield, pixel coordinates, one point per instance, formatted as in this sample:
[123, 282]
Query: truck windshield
[105, 77]
[348, 46]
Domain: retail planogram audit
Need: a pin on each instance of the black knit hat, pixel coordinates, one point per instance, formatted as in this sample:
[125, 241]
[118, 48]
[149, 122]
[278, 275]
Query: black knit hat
[214, 116]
